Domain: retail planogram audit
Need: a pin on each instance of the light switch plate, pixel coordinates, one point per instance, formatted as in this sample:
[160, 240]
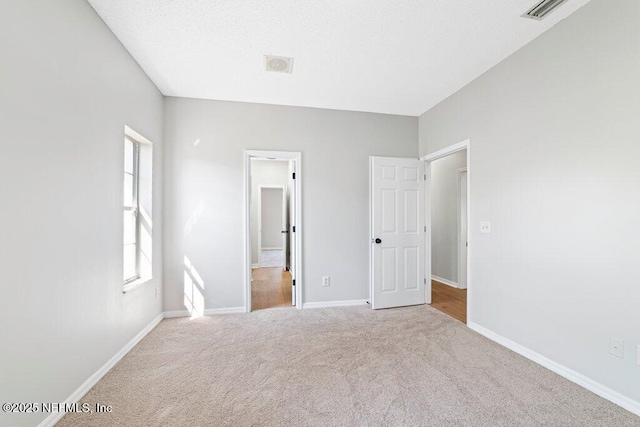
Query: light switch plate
[616, 347]
[485, 227]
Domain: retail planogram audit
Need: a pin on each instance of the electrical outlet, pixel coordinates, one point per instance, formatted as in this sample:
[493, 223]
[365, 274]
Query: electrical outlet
[485, 227]
[616, 347]
[157, 293]
[325, 281]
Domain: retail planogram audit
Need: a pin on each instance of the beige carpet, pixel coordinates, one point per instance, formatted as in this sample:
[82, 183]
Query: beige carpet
[335, 367]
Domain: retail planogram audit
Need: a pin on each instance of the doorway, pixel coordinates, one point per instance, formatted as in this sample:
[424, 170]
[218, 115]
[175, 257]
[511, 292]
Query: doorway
[448, 238]
[273, 230]
[405, 233]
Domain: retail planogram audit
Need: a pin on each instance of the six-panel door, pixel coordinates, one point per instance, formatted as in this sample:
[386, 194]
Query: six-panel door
[397, 219]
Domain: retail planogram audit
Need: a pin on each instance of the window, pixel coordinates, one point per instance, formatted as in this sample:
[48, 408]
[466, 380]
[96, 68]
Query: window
[131, 210]
[137, 207]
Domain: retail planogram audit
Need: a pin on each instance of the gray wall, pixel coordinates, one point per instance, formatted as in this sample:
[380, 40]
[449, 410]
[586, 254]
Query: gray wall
[68, 89]
[444, 215]
[272, 212]
[555, 143]
[205, 188]
[264, 172]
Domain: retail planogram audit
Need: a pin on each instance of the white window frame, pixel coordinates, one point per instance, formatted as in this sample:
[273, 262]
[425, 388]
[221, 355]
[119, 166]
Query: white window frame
[135, 207]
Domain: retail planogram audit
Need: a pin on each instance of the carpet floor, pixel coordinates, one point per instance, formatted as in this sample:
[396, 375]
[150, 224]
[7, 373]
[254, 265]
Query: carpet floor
[335, 367]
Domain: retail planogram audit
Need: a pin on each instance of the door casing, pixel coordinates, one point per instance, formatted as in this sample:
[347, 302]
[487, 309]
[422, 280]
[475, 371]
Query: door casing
[296, 222]
[463, 230]
[463, 145]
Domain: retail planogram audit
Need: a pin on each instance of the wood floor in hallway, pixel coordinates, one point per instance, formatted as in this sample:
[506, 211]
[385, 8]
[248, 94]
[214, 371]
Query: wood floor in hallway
[271, 287]
[449, 300]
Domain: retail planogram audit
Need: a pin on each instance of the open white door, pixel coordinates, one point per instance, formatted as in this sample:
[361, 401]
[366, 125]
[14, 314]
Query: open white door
[293, 268]
[284, 229]
[397, 232]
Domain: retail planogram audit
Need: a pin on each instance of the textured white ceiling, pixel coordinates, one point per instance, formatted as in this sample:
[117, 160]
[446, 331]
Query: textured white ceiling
[385, 56]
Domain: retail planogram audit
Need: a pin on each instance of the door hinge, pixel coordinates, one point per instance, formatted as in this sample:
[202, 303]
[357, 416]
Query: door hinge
[425, 228]
[294, 228]
[425, 176]
[294, 175]
[425, 280]
[294, 282]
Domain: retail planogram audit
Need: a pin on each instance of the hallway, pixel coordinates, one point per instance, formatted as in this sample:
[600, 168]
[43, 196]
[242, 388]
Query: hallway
[270, 288]
[449, 300]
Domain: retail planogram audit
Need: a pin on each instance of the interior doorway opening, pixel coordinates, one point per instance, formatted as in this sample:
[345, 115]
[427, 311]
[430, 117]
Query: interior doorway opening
[272, 212]
[448, 237]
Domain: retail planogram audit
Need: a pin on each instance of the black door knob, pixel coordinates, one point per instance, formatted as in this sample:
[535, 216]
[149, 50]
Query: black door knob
[378, 241]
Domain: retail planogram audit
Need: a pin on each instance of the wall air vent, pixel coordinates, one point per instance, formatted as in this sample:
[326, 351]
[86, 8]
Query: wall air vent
[278, 64]
[542, 9]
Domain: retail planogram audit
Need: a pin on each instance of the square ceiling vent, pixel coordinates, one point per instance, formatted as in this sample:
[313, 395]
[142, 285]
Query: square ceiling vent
[278, 64]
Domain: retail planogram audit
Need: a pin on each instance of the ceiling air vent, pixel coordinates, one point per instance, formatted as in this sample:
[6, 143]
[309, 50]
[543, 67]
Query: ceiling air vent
[542, 9]
[278, 64]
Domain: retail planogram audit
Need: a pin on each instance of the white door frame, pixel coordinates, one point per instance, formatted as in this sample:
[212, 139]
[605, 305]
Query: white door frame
[463, 145]
[296, 157]
[460, 244]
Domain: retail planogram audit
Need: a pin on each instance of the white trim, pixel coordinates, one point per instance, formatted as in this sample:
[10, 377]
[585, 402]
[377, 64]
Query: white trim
[459, 244]
[601, 390]
[325, 304]
[463, 145]
[447, 150]
[54, 417]
[134, 284]
[298, 273]
[273, 249]
[255, 265]
[370, 244]
[445, 281]
[427, 233]
[207, 312]
[136, 136]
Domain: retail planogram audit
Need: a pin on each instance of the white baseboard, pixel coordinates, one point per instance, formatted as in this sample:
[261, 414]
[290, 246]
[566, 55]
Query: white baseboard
[207, 312]
[601, 390]
[54, 417]
[257, 265]
[324, 304]
[445, 281]
[272, 249]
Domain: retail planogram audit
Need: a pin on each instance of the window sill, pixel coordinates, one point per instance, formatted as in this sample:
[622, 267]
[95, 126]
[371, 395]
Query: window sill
[135, 284]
